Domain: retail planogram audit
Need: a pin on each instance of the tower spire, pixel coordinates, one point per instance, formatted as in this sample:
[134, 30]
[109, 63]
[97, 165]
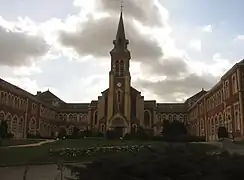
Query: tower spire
[120, 43]
[121, 6]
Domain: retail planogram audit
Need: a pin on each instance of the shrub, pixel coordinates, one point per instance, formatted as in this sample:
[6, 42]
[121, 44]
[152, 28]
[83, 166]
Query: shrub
[140, 134]
[4, 129]
[175, 163]
[99, 134]
[110, 135]
[10, 135]
[222, 132]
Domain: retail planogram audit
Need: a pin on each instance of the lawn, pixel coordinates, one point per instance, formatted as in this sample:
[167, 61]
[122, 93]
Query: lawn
[15, 142]
[22, 155]
[41, 154]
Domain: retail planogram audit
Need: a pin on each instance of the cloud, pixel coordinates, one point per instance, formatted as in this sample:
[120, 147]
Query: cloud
[196, 44]
[168, 66]
[96, 35]
[171, 89]
[207, 28]
[18, 48]
[147, 12]
[239, 37]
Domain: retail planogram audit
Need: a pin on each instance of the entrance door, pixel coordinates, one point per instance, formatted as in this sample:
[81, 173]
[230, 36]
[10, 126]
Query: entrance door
[118, 132]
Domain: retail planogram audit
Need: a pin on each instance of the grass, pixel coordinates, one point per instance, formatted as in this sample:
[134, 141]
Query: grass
[25, 155]
[40, 154]
[15, 142]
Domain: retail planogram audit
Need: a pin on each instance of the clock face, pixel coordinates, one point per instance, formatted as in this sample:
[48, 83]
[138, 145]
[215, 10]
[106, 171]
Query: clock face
[119, 84]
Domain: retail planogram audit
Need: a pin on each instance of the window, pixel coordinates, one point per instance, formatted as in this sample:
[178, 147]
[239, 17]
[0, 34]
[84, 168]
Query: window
[159, 118]
[34, 108]
[121, 67]
[170, 118]
[181, 117]
[221, 123]
[118, 96]
[163, 117]
[147, 118]
[213, 126]
[234, 84]
[237, 117]
[117, 68]
[226, 89]
[185, 118]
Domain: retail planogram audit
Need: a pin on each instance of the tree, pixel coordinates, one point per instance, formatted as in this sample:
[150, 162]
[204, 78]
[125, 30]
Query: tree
[75, 132]
[222, 132]
[62, 132]
[173, 129]
[4, 130]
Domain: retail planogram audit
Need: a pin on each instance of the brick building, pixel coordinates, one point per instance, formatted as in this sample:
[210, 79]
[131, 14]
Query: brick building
[121, 107]
[220, 106]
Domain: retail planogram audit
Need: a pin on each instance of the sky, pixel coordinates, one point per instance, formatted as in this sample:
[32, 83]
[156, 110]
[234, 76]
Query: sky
[177, 47]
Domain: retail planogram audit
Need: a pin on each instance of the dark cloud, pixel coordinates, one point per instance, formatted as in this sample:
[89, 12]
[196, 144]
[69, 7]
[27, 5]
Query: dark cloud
[171, 88]
[96, 35]
[167, 66]
[18, 48]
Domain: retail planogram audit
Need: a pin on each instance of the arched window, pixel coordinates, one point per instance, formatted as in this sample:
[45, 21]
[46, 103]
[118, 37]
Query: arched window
[170, 118]
[95, 117]
[16, 102]
[102, 128]
[32, 126]
[10, 100]
[221, 122]
[117, 68]
[237, 121]
[133, 128]
[147, 118]
[216, 123]
[4, 98]
[75, 118]
[70, 117]
[21, 127]
[2, 116]
[8, 119]
[14, 125]
[118, 96]
[121, 67]
[61, 117]
[80, 117]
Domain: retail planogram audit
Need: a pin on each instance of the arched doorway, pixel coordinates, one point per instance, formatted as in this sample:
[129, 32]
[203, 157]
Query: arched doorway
[118, 125]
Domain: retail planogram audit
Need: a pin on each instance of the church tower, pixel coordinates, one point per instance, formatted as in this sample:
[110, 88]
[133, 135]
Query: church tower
[119, 76]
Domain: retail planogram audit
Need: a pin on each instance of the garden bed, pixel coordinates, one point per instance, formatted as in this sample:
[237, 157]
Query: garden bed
[76, 153]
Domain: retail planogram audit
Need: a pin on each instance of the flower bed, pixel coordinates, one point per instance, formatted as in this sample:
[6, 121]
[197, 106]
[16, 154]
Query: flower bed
[74, 152]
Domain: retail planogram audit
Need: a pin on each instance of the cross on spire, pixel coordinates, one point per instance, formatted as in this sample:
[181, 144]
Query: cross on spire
[121, 5]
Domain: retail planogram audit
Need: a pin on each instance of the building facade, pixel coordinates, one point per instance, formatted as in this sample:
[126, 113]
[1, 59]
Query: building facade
[121, 107]
[220, 106]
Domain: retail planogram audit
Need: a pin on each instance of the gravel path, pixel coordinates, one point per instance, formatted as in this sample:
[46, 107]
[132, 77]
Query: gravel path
[32, 144]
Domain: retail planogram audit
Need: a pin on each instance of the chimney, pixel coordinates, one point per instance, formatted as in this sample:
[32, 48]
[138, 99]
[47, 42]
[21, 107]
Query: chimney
[38, 93]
